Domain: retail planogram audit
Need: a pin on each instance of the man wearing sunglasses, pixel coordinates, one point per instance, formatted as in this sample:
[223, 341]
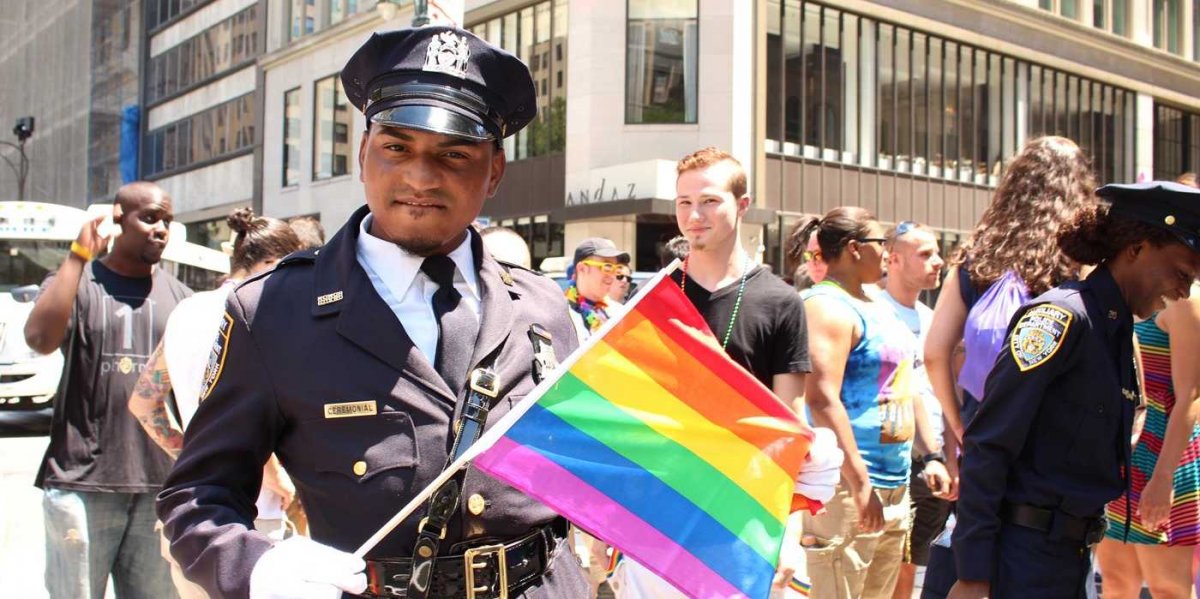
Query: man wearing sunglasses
[597, 264]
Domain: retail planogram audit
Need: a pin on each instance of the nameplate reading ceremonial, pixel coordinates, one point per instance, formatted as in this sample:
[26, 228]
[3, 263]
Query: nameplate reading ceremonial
[350, 410]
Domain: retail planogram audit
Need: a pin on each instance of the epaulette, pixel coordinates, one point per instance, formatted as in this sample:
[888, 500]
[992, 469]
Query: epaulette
[512, 265]
[302, 256]
[307, 256]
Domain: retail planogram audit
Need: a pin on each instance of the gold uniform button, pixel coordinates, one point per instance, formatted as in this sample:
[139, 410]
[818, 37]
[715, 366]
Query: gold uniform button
[476, 504]
[360, 468]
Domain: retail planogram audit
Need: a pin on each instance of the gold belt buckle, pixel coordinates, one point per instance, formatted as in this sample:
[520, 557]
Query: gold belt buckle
[469, 557]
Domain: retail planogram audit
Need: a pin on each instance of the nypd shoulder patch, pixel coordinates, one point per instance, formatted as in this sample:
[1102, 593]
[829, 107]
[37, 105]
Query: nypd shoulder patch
[1038, 335]
[216, 358]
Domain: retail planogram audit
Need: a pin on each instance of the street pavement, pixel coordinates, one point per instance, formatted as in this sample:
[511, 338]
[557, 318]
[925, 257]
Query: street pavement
[22, 536]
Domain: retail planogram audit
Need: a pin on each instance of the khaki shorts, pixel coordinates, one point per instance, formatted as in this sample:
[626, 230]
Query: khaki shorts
[844, 563]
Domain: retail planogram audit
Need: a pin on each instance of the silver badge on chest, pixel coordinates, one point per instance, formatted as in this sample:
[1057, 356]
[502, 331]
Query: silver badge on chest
[447, 53]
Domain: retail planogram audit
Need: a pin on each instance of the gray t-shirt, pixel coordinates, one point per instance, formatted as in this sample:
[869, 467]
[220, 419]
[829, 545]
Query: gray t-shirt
[95, 443]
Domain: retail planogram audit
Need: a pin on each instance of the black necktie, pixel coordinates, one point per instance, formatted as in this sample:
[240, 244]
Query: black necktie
[457, 326]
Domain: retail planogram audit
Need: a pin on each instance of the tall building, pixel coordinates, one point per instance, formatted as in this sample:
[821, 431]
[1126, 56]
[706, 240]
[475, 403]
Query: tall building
[202, 108]
[907, 107]
[73, 67]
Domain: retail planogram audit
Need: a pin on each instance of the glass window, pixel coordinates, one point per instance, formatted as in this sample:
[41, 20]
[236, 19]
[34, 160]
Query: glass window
[794, 69]
[661, 61]
[1166, 24]
[537, 35]
[1195, 29]
[916, 102]
[886, 114]
[201, 137]
[331, 139]
[1176, 142]
[306, 17]
[224, 46]
[291, 137]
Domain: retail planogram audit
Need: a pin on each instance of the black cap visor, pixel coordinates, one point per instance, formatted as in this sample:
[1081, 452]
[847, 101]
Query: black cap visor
[432, 117]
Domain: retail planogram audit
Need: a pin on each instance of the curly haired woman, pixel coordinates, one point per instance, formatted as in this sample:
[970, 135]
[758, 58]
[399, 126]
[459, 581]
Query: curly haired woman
[1011, 250]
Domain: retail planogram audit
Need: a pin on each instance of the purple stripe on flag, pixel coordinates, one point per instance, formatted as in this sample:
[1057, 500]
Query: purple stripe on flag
[565, 493]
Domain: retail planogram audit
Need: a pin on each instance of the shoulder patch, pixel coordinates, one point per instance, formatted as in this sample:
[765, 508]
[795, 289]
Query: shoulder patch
[216, 358]
[1038, 335]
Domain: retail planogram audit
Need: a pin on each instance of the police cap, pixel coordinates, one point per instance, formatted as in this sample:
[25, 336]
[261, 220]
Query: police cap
[1165, 204]
[442, 80]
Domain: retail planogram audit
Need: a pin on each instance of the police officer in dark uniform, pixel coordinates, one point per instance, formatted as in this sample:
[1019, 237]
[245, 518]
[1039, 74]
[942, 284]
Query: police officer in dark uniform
[1050, 445]
[365, 365]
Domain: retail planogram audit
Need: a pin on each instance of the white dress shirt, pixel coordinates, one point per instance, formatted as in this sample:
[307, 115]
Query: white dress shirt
[397, 278]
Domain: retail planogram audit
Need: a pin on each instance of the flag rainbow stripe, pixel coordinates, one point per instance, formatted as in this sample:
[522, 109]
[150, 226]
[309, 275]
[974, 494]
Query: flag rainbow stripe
[654, 441]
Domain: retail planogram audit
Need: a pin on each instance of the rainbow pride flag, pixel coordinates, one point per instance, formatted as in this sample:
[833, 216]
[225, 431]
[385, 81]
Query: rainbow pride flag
[650, 438]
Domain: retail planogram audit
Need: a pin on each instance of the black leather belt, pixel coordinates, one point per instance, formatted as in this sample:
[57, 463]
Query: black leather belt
[481, 571]
[1088, 531]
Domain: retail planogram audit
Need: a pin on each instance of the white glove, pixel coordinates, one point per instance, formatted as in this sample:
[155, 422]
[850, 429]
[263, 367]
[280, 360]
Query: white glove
[822, 469]
[301, 568]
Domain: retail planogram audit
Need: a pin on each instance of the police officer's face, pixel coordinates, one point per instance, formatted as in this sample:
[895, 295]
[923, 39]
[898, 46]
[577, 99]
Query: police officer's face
[424, 189]
[145, 223]
[705, 210]
[1159, 274]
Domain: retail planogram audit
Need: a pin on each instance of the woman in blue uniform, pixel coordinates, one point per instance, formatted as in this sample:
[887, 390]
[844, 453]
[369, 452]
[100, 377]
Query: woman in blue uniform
[1050, 444]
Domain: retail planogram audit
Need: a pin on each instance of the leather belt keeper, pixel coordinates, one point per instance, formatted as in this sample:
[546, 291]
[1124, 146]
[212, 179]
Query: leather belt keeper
[481, 571]
[1087, 531]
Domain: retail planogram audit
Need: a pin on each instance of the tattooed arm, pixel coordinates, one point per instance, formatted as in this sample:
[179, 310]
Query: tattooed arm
[149, 404]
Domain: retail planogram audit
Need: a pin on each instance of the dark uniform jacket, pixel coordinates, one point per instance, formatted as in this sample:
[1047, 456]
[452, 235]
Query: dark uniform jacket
[1054, 427]
[299, 344]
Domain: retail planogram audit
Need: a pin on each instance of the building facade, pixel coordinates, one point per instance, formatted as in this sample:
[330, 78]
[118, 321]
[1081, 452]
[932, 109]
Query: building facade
[74, 67]
[907, 107]
[202, 107]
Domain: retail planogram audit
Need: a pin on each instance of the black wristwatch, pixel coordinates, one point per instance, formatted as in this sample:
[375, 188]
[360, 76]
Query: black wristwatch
[937, 456]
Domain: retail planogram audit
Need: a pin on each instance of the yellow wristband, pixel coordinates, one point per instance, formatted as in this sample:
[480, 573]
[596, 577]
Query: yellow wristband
[81, 251]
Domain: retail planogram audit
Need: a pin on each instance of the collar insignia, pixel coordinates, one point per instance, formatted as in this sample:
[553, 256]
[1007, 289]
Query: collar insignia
[447, 53]
[329, 298]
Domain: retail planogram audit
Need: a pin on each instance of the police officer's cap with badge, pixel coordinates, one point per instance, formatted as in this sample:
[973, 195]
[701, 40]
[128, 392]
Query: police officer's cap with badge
[447, 81]
[1167, 205]
[442, 80]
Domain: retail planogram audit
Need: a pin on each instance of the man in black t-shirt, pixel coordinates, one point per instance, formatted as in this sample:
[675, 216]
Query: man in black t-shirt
[101, 471]
[756, 317]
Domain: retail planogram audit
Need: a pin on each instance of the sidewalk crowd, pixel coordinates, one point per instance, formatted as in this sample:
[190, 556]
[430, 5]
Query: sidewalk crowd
[939, 430]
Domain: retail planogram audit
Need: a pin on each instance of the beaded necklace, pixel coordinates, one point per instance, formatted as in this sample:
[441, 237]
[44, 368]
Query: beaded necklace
[594, 314]
[737, 303]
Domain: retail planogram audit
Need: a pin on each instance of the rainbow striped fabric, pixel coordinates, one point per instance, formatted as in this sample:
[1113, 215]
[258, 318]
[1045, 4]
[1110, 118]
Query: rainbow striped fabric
[653, 440]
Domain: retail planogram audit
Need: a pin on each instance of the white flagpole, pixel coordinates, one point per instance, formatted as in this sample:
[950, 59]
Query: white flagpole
[501, 426]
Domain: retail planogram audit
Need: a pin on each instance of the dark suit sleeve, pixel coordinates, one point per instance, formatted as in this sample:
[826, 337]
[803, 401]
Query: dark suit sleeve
[207, 503]
[994, 440]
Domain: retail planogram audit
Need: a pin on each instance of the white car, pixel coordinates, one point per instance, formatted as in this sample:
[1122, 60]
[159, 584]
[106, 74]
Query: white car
[28, 379]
